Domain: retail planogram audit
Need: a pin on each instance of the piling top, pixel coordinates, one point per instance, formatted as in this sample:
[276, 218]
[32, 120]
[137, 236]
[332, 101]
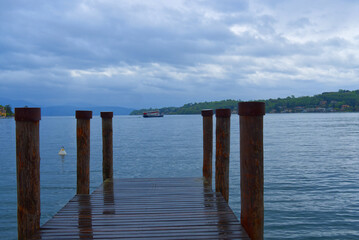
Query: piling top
[83, 114]
[223, 112]
[251, 108]
[28, 114]
[207, 112]
[107, 114]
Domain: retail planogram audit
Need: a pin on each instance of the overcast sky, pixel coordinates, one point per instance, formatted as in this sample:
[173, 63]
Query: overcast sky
[147, 53]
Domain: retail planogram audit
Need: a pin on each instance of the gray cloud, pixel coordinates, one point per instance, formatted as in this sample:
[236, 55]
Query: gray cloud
[151, 53]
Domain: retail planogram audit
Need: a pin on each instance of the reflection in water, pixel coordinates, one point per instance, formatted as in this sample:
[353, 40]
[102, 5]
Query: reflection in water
[224, 226]
[62, 158]
[108, 198]
[216, 208]
[85, 217]
[207, 184]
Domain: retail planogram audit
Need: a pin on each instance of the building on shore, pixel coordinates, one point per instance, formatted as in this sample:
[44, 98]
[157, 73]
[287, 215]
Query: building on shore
[2, 112]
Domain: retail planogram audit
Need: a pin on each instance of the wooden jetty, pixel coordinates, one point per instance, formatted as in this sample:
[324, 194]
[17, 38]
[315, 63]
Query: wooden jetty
[160, 208]
[168, 208]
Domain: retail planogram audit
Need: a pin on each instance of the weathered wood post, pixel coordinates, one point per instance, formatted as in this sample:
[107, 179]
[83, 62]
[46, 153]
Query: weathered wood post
[251, 160]
[223, 126]
[28, 170]
[83, 151]
[107, 145]
[207, 144]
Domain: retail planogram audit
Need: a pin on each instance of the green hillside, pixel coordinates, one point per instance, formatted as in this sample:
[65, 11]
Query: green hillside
[341, 101]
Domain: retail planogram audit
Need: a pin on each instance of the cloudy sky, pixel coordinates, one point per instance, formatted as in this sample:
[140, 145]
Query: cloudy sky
[136, 53]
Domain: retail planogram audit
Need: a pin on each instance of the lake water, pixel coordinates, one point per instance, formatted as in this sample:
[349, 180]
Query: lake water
[311, 167]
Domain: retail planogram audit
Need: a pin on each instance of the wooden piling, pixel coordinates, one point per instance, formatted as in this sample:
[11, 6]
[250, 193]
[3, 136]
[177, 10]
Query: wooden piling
[28, 170]
[207, 144]
[107, 145]
[83, 151]
[223, 126]
[251, 160]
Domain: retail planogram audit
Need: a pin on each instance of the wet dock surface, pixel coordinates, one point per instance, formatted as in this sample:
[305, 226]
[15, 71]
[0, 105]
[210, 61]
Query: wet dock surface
[161, 208]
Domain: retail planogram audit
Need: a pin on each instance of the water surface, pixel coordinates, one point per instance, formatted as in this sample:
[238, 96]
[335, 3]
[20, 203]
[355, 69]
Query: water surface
[311, 167]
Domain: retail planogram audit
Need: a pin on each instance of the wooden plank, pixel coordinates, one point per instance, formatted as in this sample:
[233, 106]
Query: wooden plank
[175, 208]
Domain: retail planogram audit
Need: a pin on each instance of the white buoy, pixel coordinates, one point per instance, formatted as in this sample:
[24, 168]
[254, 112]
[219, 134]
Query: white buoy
[62, 151]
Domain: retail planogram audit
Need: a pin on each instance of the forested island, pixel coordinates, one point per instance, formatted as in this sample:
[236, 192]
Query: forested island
[341, 101]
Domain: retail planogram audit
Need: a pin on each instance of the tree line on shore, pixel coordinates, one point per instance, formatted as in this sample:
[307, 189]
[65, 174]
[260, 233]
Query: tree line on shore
[341, 101]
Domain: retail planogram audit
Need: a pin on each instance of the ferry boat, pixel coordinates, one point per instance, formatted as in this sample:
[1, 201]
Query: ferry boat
[152, 114]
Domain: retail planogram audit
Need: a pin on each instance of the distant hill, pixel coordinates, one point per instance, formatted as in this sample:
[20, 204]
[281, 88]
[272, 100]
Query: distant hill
[191, 108]
[16, 103]
[65, 110]
[70, 110]
[341, 101]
